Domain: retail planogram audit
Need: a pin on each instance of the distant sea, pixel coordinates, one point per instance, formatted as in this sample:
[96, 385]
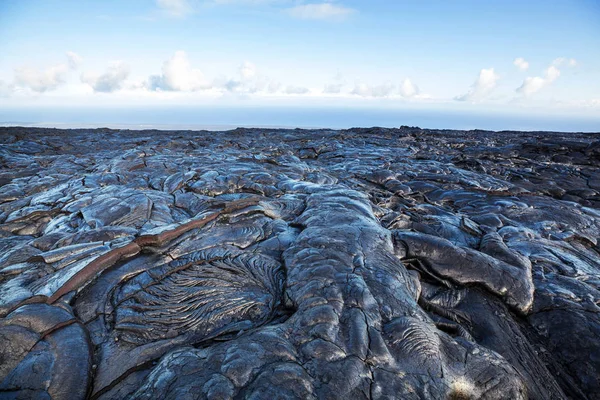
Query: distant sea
[222, 118]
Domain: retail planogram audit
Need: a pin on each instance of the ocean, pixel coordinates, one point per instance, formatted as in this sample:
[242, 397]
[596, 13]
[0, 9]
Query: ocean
[223, 118]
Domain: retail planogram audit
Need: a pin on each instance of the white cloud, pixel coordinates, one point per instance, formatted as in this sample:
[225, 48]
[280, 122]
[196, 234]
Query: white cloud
[579, 104]
[178, 75]
[222, 82]
[109, 81]
[323, 11]
[531, 85]
[296, 90]
[336, 86]
[274, 87]
[247, 70]
[534, 84]
[48, 79]
[41, 81]
[175, 8]
[571, 62]
[259, 84]
[593, 103]
[408, 89]
[364, 90]
[483, 86]
[552, 73]
[333, 88]
[249, 81]
[521, 63]
[75, 59]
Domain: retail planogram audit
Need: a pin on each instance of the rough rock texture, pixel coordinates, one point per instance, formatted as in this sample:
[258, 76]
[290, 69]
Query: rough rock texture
[283, 264]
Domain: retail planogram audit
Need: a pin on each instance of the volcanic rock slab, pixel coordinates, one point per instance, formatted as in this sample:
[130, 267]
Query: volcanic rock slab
[299, 264]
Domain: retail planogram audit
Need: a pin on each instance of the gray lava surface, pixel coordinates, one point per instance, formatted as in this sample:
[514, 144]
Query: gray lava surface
[299, 264]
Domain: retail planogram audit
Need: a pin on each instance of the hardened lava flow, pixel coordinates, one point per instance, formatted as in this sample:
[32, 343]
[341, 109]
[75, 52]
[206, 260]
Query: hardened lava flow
[299, 264]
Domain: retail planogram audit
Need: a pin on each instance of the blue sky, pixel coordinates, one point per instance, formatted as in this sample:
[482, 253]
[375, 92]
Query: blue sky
[497, 56]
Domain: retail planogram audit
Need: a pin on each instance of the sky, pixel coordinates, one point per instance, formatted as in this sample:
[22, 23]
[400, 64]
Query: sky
[496, 57]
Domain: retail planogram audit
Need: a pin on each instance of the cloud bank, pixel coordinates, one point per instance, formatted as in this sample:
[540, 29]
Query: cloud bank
[179, 75]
